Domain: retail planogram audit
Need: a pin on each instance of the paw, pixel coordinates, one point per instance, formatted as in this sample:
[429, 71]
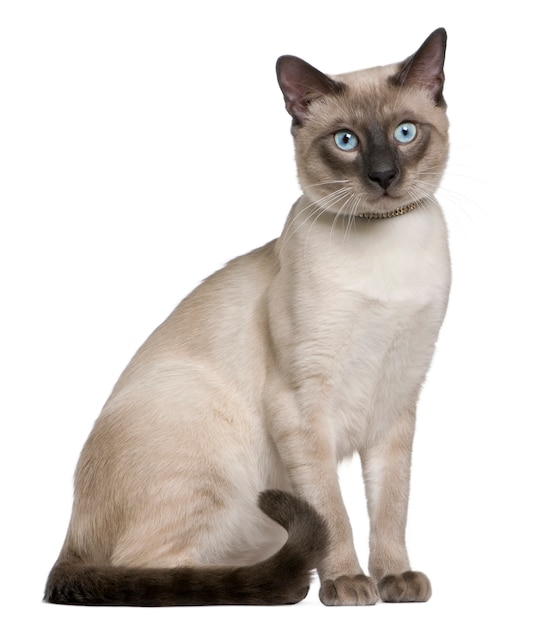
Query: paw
[406, 587]
[348, 591]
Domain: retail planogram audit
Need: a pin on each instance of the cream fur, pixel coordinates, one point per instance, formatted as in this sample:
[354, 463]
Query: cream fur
[291, 358]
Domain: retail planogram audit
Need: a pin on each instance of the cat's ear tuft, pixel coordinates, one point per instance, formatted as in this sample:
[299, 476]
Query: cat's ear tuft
[425, 68]
[301, 83]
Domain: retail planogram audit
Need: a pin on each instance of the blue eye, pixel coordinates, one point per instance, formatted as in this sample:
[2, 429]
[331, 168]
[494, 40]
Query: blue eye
[346, 140]
[405, 133]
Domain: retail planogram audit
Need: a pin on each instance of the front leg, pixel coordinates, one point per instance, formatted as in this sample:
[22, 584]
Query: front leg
[308, 454]
[386, 471]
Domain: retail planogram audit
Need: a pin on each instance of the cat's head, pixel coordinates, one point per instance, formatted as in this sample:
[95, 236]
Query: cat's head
[371, 141]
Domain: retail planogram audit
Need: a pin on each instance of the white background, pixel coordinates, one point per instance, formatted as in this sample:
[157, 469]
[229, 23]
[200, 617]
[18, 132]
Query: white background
[143, 144]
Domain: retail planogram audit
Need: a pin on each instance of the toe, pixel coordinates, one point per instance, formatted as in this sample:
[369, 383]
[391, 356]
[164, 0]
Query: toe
[406, 587]
[357, 590]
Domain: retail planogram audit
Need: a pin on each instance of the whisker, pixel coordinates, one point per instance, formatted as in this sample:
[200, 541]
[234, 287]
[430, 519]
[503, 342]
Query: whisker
[340, 195]
[318, 207]
[340, 213]
[355, 200]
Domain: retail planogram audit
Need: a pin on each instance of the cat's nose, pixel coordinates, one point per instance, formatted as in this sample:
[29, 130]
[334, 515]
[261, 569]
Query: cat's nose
[384, 179]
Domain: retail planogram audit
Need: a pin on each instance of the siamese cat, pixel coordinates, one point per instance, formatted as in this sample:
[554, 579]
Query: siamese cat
[210, 476]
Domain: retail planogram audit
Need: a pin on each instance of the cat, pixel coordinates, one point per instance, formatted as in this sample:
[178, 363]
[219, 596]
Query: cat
[210, 476]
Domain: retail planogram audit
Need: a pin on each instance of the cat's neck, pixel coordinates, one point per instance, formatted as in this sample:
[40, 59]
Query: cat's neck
[398, 259]
[307, 218]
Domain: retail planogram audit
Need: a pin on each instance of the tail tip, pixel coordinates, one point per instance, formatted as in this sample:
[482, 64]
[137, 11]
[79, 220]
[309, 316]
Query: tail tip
[296, 515]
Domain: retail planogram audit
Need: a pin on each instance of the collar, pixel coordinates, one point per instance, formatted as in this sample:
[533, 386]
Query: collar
[382, 216]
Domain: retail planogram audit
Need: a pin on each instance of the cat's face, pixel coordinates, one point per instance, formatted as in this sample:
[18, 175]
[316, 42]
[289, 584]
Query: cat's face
[370, 141]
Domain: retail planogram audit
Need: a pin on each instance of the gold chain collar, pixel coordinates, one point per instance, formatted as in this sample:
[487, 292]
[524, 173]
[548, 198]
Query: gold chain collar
[382, 216]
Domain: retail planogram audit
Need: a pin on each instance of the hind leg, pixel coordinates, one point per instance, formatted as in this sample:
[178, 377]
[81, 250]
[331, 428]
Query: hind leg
[200, 530]
[170, 476]
[199, 510]
[191, 491]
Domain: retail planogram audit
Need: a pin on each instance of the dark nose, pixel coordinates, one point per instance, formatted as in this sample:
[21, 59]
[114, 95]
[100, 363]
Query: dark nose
[384, 179]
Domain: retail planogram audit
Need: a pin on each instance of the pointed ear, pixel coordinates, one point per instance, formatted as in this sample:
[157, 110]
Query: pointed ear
[425, 67]
[301, 83]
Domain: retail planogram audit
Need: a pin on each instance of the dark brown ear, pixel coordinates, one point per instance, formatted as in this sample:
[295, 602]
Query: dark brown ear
[301, 83]
[425, 67]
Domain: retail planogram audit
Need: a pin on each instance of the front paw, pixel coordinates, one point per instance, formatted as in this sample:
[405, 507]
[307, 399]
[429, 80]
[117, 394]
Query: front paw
[348, 591]
[406, 587]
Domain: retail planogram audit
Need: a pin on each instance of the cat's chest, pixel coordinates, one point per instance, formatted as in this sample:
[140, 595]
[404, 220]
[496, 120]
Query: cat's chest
[373, 309]
[392, 265]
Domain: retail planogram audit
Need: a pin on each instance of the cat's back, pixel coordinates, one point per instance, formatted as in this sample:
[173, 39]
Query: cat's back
[218, 326]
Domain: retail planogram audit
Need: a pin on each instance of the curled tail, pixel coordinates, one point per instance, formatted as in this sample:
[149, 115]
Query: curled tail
[283, 578]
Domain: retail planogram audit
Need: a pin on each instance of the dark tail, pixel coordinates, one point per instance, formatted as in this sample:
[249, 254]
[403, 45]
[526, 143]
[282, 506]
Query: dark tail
[283, 578]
